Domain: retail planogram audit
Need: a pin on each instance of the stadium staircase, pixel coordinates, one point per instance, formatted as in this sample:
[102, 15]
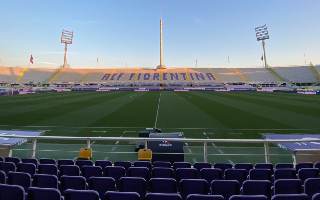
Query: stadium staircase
[278, 77]
[54, 76]
[315, 72]
[21, 74]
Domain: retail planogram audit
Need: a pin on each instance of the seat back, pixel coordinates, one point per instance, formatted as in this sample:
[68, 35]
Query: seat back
[133, 184]
[47, 161]
[146, 164]
[285, 173]
[222, 166]
[35, 193]
[201, 165]
[48, 169]
[284, 165]
[103, 163]
[163, 185]
[12, 192]
[122, 196]
[81, 195]
[163, 164]
[160, 196]
[304, 165]
[162, 172]
[30, 160]
[72, 182]
[312, 186]
[142, 172]
[210, 174]
[186, 173]
[226, 188]
[45, 181]
[7, 167]
[290, 197]
[264, 166]
[2, 177]
[248, 197]
[19, 178]
[204, 197]
[246, 166]
[236, 174]
[181, 165]
[257, 187]
[12, 159]
[193, 186]
[125, 164]
[287, 186]
[115, 172]
[91, 171]
[69, 170]
[29, 168]
[260, 174]
[316, 196]
[102, 185]
[82, 163]
[65, 162]
[305, 173]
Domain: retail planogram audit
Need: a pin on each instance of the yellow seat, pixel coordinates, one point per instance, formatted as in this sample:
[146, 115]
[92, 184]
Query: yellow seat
[85, 153]
[145, 154]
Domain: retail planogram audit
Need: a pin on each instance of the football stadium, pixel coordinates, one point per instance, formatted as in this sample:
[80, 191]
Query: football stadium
[165, 132]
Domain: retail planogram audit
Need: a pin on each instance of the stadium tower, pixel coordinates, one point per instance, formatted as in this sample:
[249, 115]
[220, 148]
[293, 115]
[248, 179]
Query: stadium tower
[161, 66]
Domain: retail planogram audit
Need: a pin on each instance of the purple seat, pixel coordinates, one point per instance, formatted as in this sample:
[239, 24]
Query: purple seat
[133, 184]
[316, 196]
[257, 187]
[283, 165]
[248, 197]
[201, 165]
[121, 196]
[142, 172]
[312, 186]
[65, 162]
[48, 169]
[82, 163]
[7, 167]
[264, 166]
[186, 173]
[210, 174]
[146, 164]
[246, 166]
[317, 165]
[305, 173]
[1, 159]
[288, 186]
[285, 173]
[226, 188]
[125, 164]
[115, 172]
[11, 192]
[2, 177]
[102, 185]
[103, 163]
[29, 168]
[304, 165]
[81, 195]
[12, 159]
[260, 174]
[290, 197]
[163, 185]
[236, 174]
[161, 196]
[35, 193]
[72, 182]
[30, 160]
[47, 161]
[91, 171]
[193, 186]
[69, 170]
[222, 166]
[204, 197]
[177, 165]
[162, 172]
[19, 178]
[45, 181]
[161, 164]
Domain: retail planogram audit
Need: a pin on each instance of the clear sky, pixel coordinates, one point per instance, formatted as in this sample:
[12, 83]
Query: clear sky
[126, 32]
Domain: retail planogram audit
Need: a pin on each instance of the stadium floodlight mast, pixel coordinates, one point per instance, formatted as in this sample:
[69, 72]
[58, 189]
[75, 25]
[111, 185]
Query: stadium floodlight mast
[66, 39]
[262, 34]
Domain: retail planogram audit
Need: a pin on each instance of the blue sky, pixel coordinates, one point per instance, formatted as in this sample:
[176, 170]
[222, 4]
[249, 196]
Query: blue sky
[126, 32]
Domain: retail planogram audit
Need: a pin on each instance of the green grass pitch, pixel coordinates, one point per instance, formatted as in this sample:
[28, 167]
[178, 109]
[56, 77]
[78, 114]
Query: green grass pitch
[197, 114]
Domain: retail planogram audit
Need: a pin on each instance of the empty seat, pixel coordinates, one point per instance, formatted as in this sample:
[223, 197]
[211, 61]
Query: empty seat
[82, 163]
[210, 174]
[142, 172]
[162, 172]
[312, 186]
[47, 161]
[7, 167]
[202, 165]
[2, 177]
[316, 196]
[246, 166]
[257, 187]
[287, 186]
[236, 174]
[304, 165]
[260, 174]
[121, 196]
[285, 173]
[29, 168]
[317, 165]
[163, 185]
[81, 195]
[11, 192]
[305, 173]
[19, 178]
[290, 197]
[283, 165]
[248, 197]
[1, 159]
[102, 185]
[193, 186]
[91, 171]
[30, 160]
[161, 164]
[115, 172]
[222, 166]
[65, 162]
[45, 181]
[142, 164]
[186, 173]
[133, 184]
[48, 169]
[159, 196]
[72, 182]
[177, 165]
[204, 197]
[12, 159]
[69, 170]
[226, 188]
[35, 193]
[264, 166]
[125, 164]
[103, 163]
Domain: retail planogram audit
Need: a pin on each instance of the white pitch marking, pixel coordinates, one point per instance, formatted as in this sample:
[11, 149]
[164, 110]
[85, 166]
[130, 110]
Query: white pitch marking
[157, 113]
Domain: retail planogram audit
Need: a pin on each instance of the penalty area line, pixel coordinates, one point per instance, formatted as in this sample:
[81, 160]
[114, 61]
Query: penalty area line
[157, 113]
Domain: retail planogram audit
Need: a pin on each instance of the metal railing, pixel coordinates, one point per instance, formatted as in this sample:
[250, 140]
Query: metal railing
[266, 142]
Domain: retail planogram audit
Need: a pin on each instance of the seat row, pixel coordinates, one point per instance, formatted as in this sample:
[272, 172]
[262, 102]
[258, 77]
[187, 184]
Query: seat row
[15, 192]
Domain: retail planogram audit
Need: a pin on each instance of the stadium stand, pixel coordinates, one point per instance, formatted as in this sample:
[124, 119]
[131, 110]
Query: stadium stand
[296, 74]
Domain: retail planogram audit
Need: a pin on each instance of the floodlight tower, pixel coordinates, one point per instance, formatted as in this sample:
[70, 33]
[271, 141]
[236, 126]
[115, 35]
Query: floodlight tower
[262, 34]
[161, 66]
[66, 38]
